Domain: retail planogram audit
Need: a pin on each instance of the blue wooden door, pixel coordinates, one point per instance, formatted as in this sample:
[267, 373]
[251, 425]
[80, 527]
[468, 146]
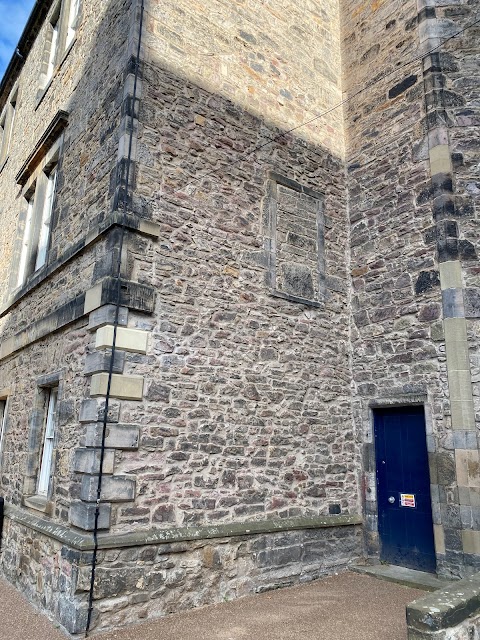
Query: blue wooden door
[403, 489]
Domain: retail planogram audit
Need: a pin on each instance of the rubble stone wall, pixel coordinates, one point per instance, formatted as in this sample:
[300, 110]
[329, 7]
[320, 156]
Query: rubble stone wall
[410, 227]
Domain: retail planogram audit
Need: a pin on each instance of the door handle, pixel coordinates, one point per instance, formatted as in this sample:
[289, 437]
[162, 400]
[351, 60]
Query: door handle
[391, 499]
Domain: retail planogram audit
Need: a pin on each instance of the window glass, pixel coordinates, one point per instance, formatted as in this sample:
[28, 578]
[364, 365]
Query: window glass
[72, 22]
[22, 269]
[48, 441]
[53, 51]
[6, 127]
[46, 220]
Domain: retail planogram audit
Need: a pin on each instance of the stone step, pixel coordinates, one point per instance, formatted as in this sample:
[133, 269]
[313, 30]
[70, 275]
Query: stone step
[402, 575]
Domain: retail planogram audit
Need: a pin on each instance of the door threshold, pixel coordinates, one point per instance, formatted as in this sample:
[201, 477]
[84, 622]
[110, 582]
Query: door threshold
[401, 575]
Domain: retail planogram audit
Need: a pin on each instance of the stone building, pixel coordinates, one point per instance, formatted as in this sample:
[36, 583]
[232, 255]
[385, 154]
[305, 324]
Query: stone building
[239, 284]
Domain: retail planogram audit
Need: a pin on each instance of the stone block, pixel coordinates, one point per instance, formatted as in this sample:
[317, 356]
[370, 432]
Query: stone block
[465, 439]
[439, 538]
[72, 615]
[451, 274]
[457, 356]
[88, 461]
[463, 414]
[133, 340]
[93, 298]
[99, 361]
[106, 315]
[123, 387]
[452, 300]
[114, 488]
[82, 515]
[445, 468]
[472, 303]
[118, 436]
[93, 409]
[455, 330]
[464, 495]
[460, 385]
[149, 228]
[461, 464]
[471, 541]
[440, 160]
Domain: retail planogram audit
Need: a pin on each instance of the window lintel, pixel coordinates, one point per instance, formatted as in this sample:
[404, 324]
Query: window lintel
[47, 140]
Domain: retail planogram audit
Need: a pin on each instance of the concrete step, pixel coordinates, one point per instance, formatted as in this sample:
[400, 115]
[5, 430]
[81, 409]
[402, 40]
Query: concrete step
[401, 575]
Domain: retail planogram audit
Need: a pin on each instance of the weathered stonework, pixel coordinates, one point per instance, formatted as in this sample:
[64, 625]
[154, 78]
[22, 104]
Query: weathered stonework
[241, 270]
[414, 248]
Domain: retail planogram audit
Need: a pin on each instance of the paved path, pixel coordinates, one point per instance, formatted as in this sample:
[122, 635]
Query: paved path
[338, 608]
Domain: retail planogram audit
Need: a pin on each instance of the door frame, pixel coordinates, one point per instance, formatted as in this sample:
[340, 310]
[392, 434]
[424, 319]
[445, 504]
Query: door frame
[369, 477]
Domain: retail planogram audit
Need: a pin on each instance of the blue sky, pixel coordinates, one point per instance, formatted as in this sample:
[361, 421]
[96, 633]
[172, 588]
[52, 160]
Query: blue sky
[13, 17]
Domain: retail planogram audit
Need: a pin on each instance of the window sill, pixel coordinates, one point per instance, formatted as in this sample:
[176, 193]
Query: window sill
[38, 503]
[275, 293]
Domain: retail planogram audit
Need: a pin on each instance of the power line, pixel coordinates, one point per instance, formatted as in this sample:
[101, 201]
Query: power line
[328, 111]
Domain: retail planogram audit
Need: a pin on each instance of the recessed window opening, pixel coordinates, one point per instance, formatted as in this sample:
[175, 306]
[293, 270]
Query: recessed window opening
[48, 443]
[53, 48]
[72, 22]
[22, 269]
[6, 127]
[38, 221]
[46, 220]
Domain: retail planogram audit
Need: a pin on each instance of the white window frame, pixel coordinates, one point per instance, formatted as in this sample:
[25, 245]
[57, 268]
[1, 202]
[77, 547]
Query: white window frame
[73, 11]
[45, 469]
[26, 241]
[52, 54]
[40, 199]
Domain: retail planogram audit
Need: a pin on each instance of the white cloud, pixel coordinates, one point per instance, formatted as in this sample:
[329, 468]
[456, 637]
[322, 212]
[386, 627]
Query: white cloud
[13, 17]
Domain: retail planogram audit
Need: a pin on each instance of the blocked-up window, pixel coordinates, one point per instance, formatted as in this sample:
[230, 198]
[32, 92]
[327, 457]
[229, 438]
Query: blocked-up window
[46, 456]
[295, 226]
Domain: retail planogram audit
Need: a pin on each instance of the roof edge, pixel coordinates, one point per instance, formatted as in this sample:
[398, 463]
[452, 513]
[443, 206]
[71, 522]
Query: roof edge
[29, 34]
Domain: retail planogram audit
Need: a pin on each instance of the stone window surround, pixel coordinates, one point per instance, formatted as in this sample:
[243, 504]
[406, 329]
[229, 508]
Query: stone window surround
[7, 119]
[60, 18]
[35, 188]
[270, 224]
[37, 422]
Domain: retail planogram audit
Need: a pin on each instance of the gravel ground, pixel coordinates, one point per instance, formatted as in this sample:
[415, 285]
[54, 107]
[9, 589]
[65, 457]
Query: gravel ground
[337, 608]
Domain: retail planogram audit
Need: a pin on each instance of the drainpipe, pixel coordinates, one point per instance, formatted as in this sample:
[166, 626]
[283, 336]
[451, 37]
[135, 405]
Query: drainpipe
[115, 327]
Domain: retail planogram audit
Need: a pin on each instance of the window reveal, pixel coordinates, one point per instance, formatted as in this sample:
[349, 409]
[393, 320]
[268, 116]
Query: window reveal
[48, 442]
